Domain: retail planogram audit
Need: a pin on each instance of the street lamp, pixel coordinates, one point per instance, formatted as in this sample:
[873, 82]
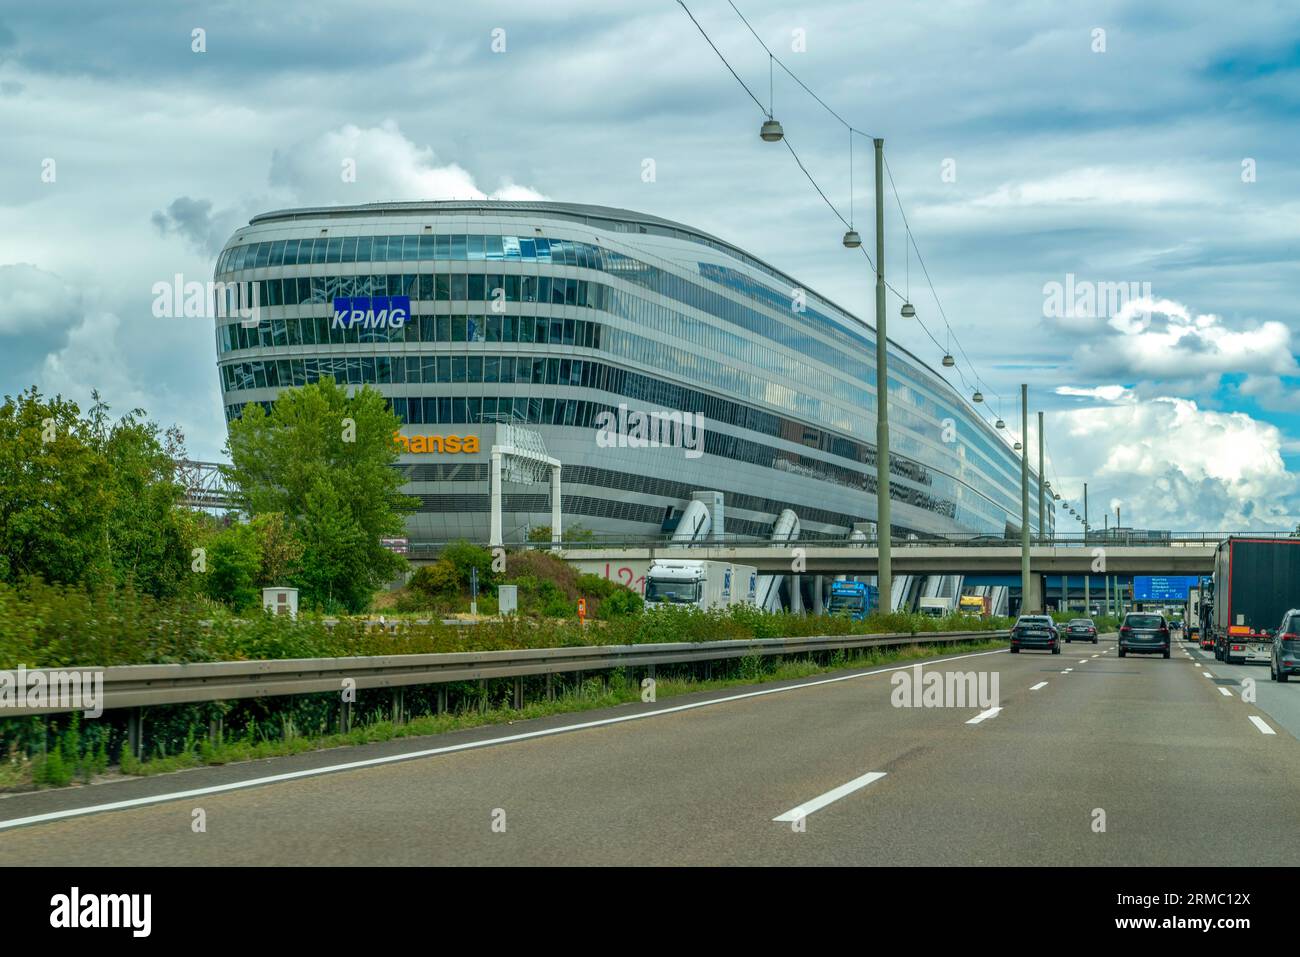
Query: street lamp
[852, 240]
[771, 131]
[908, 311]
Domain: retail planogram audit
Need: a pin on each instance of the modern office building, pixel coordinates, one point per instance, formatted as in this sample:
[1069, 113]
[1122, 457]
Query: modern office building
[572, 319]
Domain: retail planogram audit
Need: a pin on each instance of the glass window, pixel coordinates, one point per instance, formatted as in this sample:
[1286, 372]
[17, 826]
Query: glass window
[291, 252]
[442, 287]
[441, 247]
[263, 254]
[459, 413]
[444, 368]
[444, 329]
[458, 287]
[410, 248]
[474, 371]
[378, 249]
[349, 249]
[363, 249]
[429, 369]
[491, 369]
[543, 249]
[334, 248]
[492, 248]
[476, 287]
[458, 247]
[317, 251]
[458, 328]
[426, 286]
[426, 245]
[474, 244]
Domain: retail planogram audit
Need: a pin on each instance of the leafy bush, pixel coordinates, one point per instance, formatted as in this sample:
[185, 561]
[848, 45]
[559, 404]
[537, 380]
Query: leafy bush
[620, 603]
[437, 580]
[464, 556]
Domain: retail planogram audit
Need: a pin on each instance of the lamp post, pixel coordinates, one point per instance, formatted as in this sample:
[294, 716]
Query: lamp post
[884, 575]
[1024, 502]
[1087, 576]
[1041, 521]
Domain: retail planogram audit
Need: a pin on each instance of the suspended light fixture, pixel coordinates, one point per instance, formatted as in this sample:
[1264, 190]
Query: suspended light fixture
[1056, 496]
[1018, 446]
[851, 238]
[978, 396]
[1000, 424]
[771, 131]
[948, 360]
[908, 311]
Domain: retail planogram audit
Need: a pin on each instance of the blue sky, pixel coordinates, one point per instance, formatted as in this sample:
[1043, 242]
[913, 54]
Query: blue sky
[1164, 160]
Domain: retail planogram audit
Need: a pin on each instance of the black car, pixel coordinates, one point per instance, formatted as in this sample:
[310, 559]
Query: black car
[1144, 633]
[1081, 629]
[1035, 631]
[1285, 659]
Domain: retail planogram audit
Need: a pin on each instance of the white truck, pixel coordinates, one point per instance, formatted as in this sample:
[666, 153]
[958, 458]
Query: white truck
[699, 584]
[935, 607]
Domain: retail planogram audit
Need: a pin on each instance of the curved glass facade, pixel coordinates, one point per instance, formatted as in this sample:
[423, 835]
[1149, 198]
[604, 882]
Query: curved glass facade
[555, 314]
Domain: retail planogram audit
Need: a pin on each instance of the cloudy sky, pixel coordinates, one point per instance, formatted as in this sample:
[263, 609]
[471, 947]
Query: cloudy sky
[1040, 151]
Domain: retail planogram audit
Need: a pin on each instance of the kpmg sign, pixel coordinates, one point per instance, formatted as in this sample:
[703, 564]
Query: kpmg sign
[1162, 588]
[371, 312]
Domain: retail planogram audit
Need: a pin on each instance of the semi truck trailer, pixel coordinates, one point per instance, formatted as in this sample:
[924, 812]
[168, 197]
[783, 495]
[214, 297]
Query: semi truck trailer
[1256, 581]
[699, 584]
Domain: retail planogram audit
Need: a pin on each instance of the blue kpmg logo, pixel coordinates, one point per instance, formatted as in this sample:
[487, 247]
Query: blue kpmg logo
[371, 312]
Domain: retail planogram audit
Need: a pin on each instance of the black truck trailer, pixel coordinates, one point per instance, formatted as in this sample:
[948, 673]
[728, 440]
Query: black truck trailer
[1256, 580]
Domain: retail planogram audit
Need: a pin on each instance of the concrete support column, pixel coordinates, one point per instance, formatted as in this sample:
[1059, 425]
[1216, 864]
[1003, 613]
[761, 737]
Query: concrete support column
[494, 536]
[556, 534]
[818, 607]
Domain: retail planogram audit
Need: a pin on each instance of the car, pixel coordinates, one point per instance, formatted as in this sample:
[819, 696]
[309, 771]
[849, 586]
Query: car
[1082, 629]
[1035, 631]
[1144, 632]
[1285, 658]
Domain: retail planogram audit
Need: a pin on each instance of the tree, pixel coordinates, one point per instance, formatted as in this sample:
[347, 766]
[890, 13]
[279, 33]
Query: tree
[86, 501]
[234, 561]
[54, 504]
[325, 461]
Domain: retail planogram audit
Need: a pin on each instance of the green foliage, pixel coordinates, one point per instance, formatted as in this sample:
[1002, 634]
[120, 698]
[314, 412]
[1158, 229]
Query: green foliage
[234, 565]
[89, 502]
[324, 461]
[593, 586]
[463, 556]
[620, 603]
[435, 581]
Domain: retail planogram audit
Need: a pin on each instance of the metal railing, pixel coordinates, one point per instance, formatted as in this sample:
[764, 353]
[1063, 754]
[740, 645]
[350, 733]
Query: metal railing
[957, 540]
[137, 686]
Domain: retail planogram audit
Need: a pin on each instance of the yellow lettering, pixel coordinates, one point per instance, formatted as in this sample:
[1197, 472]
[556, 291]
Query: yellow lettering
[453, 443]
[403, 441]
[418, 444]
[435, 443]
[471, 444]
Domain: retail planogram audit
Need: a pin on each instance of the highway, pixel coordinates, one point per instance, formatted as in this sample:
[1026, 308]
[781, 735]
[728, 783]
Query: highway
[809, 772]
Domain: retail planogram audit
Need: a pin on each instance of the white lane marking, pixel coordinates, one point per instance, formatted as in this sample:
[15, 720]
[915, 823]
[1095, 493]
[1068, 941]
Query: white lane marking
[1041, 684]
[1262, 725]
[1067, 671]
[1096, 656]
[819, 802]
[451, 748]
[984, 715]
[1225, 692]
[1207, 674]
[1083, 661]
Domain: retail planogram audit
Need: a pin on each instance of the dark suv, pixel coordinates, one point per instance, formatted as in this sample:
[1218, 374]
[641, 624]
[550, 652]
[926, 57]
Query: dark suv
[1082, 629]
[1035, 631]
[1285, 659]
[1144, 633]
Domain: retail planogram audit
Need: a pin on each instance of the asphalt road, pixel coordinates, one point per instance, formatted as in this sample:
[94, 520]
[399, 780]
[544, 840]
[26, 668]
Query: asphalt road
[1090, 760]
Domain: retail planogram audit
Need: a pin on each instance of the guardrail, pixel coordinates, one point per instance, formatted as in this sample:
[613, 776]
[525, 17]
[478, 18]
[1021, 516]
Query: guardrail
[137, 686]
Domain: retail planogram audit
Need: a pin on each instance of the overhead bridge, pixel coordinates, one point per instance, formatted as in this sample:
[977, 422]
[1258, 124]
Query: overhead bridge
[927, 559]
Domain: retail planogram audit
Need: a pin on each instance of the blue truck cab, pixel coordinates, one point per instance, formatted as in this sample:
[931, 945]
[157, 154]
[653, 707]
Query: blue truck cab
[855, 599]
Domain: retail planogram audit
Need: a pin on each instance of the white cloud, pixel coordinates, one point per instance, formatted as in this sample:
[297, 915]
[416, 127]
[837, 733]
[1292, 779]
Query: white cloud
[1171, 464]
[387, 166]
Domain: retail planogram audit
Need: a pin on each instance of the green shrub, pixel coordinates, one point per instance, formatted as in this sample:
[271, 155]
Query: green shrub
[621, 603]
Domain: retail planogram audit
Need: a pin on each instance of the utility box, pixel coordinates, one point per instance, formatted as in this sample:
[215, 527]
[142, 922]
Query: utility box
[281, 601]
[508, 599]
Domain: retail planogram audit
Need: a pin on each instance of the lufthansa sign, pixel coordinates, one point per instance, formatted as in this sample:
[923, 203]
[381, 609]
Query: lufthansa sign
[422, 444]
[371, 312]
